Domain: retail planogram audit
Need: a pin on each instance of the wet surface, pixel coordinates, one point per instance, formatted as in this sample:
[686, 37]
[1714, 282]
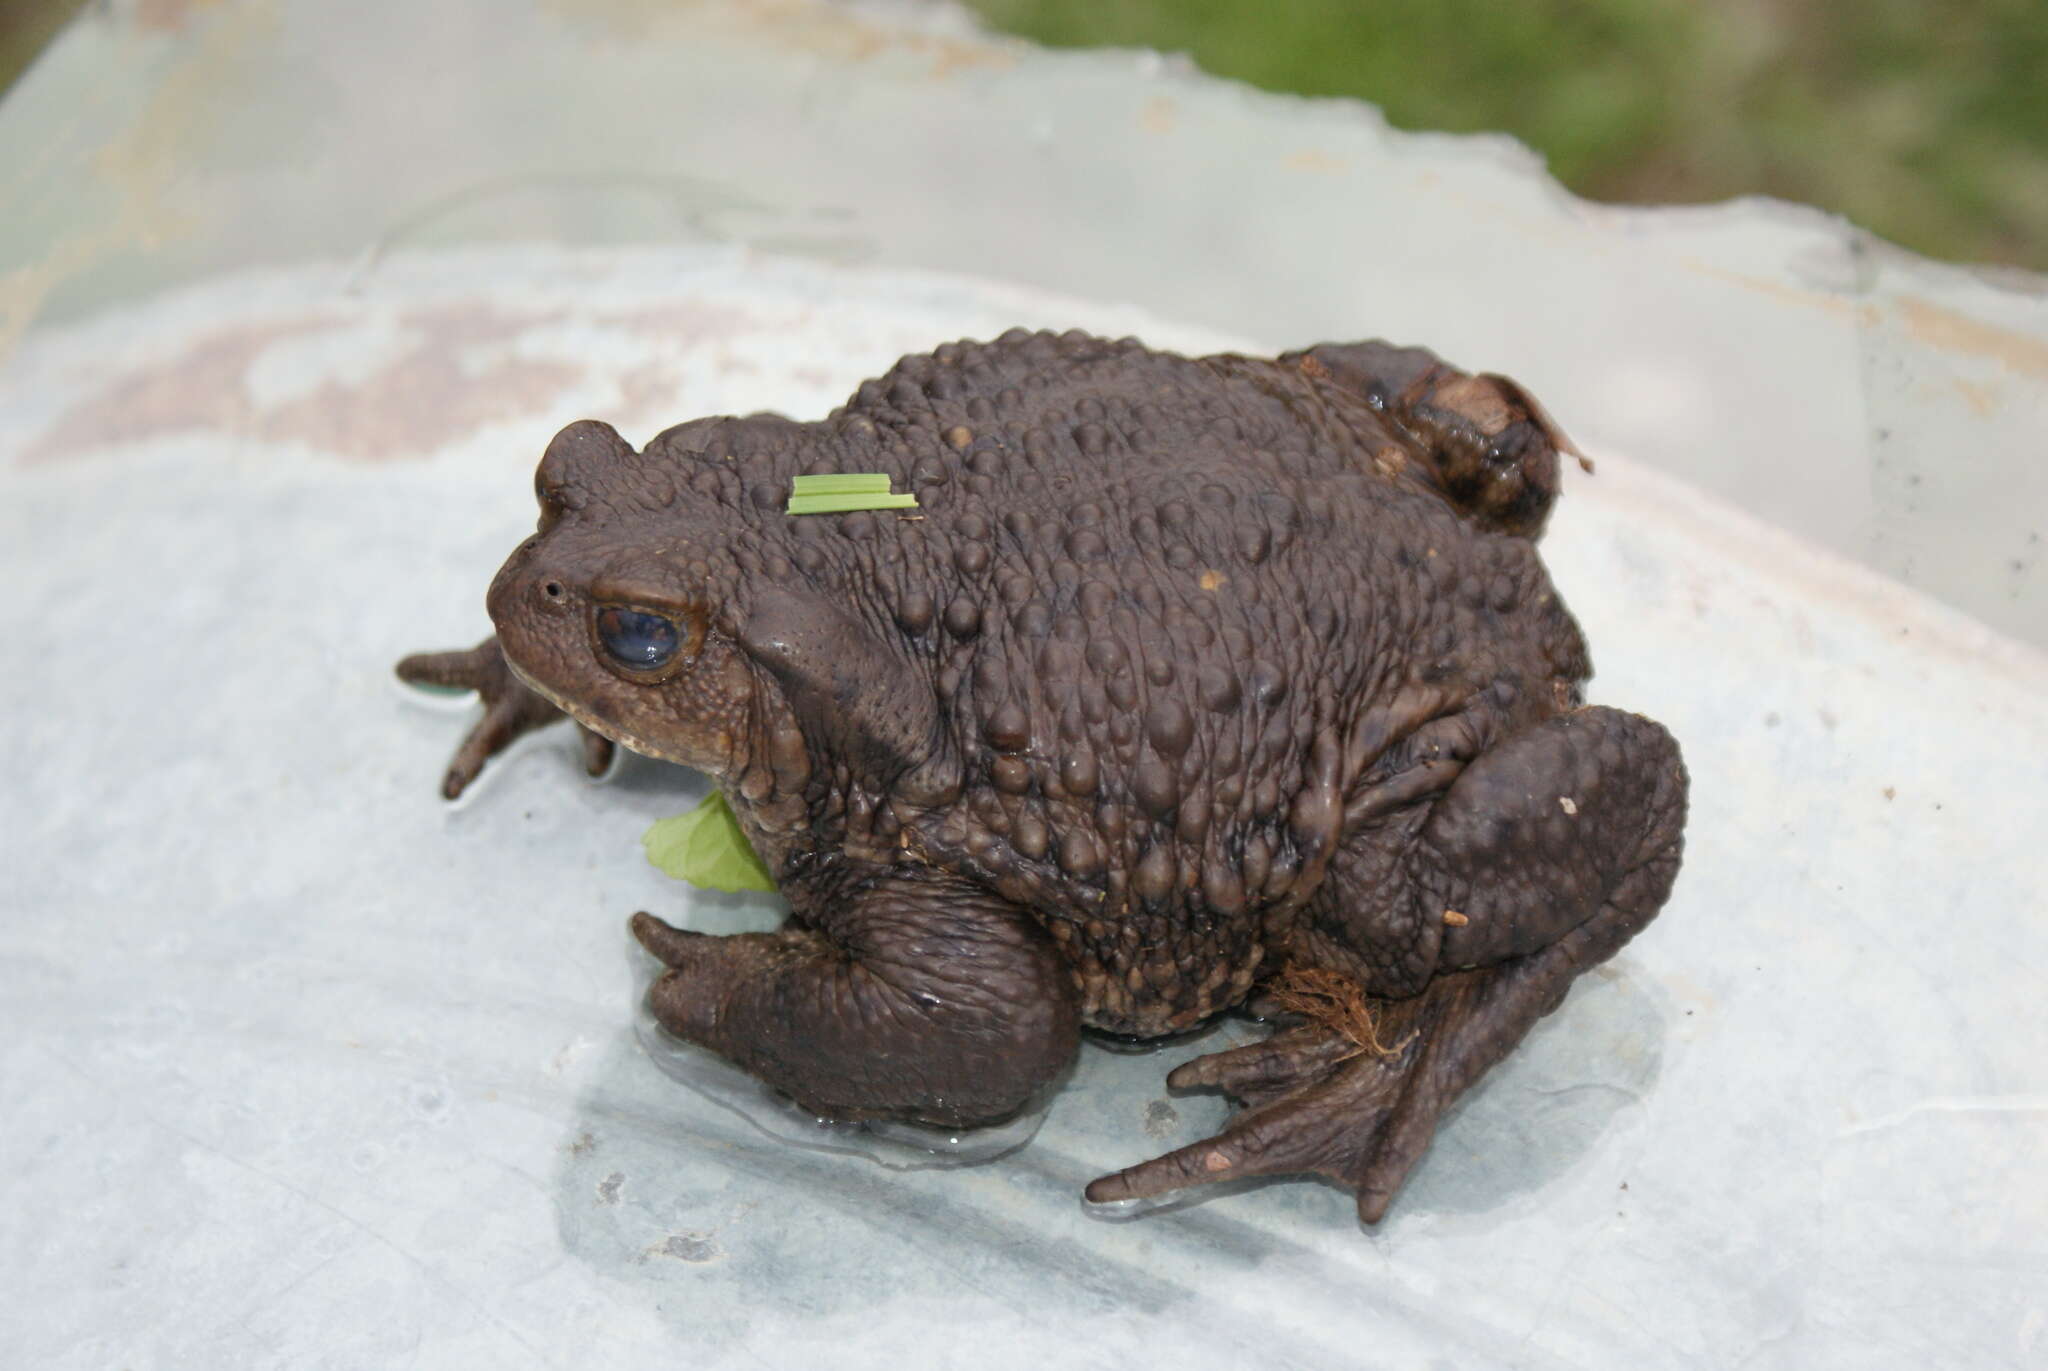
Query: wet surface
[888, 1143]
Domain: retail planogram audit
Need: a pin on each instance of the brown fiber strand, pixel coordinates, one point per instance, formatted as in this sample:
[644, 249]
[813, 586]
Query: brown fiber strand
[1334, 1002]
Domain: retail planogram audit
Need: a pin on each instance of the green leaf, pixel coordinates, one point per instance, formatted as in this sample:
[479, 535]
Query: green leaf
[707, 848]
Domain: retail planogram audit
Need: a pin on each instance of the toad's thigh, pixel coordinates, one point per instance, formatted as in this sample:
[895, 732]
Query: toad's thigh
[1541, 831]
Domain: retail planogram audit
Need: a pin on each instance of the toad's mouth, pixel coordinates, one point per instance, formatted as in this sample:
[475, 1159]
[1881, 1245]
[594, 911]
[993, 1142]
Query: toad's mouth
[602, 727]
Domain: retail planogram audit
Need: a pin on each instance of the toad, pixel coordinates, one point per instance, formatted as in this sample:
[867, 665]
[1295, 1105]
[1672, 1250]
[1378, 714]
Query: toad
[1189, 685]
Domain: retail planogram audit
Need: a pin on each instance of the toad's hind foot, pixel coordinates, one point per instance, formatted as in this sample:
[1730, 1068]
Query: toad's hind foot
[1316, 1104]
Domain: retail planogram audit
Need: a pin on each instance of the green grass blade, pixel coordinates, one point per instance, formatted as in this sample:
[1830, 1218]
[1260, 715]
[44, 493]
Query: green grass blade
[848, 504]
[848, 483]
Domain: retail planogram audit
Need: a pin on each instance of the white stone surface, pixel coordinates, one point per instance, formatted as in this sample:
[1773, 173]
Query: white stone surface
[302, 1067]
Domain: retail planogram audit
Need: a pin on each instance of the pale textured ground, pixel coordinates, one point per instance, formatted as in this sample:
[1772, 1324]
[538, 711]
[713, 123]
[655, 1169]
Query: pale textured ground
[305, 1068]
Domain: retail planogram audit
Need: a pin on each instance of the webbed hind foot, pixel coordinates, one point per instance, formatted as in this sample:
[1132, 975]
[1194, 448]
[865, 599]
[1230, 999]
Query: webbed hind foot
[1318, 1103]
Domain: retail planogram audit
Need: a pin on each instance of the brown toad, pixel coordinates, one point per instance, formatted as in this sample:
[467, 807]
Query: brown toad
[1190, 684]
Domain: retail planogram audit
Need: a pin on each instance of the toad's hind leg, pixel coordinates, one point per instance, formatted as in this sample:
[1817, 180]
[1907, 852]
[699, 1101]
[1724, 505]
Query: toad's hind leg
[1554, 848]
[907, 998]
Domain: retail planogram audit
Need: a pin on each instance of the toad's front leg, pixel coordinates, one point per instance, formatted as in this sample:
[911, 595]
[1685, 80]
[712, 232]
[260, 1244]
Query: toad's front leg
[512, 709]
[1549, 853]
[908, 997]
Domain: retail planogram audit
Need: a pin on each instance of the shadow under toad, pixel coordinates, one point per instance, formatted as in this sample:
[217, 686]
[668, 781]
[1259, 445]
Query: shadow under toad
[1545, 1108]
[732, 1230]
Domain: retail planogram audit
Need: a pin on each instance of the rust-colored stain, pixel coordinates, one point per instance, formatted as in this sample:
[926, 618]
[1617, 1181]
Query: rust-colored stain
[650, 390]
[1982, 400]
[427, 395]
[426, 398]
[1312, 159]
[1836, 305]
[1937, 326]
[1159, 114]
[1940, 327]
[793, 24]
[168, 16]
[204, 387]
[682, 324]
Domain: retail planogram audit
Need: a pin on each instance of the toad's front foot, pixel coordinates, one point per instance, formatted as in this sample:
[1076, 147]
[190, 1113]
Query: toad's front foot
[511, 709]
[900, 995]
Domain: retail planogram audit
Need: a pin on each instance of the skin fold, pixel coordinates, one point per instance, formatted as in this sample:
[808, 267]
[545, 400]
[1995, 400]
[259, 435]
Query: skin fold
[1188, 684]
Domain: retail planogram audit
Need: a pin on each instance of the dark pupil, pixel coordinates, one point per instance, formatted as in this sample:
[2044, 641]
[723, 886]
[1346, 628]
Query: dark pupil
[641, 641]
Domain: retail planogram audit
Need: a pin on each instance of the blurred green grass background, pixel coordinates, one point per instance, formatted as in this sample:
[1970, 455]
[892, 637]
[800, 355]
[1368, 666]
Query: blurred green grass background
[25, 27]
[1925, 123]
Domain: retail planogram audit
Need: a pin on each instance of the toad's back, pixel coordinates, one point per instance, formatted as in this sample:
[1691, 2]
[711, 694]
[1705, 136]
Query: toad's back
[1180, 612]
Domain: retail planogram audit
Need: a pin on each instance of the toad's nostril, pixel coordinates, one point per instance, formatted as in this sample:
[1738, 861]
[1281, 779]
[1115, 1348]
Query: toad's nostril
[553, 590]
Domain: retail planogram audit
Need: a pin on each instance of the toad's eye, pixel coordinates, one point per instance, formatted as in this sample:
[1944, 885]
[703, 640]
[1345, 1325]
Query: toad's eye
[636, 639]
